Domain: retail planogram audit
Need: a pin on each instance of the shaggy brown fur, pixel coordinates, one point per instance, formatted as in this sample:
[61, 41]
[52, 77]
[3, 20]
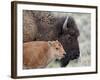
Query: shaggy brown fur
[30, 27]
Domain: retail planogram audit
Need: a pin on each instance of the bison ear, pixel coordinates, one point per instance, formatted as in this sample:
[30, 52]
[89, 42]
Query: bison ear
[69, 23]
[71, 26]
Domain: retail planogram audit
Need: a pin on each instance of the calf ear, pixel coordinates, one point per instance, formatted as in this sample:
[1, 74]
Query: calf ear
[49, 43]
[57, 41]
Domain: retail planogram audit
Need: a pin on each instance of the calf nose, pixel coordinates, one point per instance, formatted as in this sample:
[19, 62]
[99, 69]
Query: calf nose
[64, 53]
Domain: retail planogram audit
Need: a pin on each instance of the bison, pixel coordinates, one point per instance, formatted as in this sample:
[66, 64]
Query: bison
[50, 26]
[38, 54]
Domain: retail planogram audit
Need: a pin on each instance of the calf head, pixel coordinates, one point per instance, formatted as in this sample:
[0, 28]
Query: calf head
[56, 49]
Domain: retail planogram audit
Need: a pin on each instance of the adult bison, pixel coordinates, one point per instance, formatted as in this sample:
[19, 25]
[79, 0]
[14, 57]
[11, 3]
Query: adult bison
[50, 26]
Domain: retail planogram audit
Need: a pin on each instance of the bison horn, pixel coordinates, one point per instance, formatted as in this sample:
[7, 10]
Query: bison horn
[65, 23]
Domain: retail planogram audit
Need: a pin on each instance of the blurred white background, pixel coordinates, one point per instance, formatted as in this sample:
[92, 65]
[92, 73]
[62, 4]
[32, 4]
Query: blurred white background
[5, 41]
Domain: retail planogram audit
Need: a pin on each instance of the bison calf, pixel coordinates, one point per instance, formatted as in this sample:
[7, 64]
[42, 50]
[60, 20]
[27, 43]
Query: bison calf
[38, 54]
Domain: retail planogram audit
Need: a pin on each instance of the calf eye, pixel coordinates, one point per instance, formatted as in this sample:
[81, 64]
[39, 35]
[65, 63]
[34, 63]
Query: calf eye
[57, 48]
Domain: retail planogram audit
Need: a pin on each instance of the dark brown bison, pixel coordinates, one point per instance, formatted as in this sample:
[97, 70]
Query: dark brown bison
[50, 26]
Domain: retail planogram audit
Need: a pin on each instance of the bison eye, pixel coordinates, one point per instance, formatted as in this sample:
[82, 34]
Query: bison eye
[70, 39]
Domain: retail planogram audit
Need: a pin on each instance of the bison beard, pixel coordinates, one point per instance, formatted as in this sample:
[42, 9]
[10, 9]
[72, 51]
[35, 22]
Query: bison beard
[60, 28]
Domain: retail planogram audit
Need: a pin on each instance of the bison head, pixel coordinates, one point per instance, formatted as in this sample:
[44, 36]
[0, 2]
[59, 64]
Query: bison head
[69, 40]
